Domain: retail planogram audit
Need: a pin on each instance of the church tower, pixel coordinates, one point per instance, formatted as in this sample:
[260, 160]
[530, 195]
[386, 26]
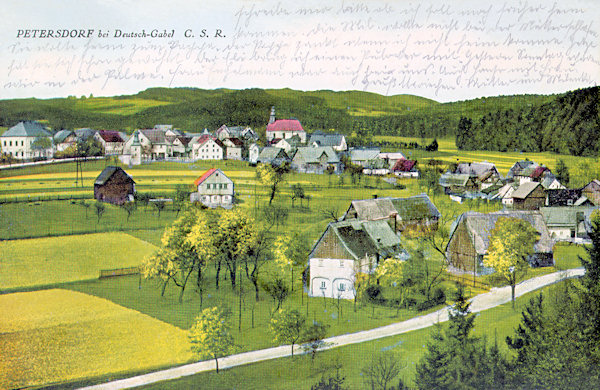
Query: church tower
[272, 118]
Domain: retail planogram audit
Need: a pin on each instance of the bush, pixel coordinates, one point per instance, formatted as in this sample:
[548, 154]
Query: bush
[438, 296]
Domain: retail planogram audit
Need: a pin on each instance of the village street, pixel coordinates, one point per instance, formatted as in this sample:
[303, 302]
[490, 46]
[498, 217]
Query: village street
[496, 297]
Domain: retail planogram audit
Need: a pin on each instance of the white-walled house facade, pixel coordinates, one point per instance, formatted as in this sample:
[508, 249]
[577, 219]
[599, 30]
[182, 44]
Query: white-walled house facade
[214, 189]
[27, 140]
[345, 249]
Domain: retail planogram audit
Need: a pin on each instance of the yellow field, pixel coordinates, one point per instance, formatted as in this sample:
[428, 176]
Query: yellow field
[109, 105]
[42, 261]
[54, 336]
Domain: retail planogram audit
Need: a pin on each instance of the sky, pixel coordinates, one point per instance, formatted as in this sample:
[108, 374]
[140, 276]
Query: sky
[443, 51]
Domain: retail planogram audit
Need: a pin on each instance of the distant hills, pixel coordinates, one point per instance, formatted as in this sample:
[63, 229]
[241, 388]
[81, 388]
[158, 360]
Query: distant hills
[349, 112]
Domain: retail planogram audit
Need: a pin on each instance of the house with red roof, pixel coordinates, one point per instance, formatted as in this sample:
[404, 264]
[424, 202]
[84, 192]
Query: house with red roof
[284, 128]
[112, 141]
[214, 189]
[405, 168]
[207, 147]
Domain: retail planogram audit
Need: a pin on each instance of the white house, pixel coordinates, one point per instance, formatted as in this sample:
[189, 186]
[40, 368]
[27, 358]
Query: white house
[233, 148]
[253, 153]
[345, 249]
[207, 147]
[27, 140]
[214, 189]
[336, 141]
[112, 141]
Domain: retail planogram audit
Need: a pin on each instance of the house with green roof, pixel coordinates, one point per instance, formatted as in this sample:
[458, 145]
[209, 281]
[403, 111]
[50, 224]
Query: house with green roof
[569, 223]
[316, 160]
[27, 140]
[345, 249]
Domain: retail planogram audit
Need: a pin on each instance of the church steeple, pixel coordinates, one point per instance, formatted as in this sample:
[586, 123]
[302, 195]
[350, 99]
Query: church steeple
[272, 118]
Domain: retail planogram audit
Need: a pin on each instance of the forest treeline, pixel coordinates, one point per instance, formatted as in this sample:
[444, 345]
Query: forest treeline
[569, 125]
[565, 123]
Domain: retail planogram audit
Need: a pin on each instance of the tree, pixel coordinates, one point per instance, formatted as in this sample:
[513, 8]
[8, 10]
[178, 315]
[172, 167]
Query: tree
[511, 242]
[297, 193]
[272, 177]
[432, 147]
[85, 205]
[454, 359]
[202, 241]
[287, 326]
[313, 337]
[425, 272]
[391, 273]
[429, 180]
[562, 173]
[258, 254]
[381, 370]
[330, 382]
[210, 335]
[233, 238]
[277, 289]
[129, 208]
[159, 204]
[186, 245]
[100, 209]
[290, 252]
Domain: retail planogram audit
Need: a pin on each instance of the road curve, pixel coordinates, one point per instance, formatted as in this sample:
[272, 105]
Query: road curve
[496, 297]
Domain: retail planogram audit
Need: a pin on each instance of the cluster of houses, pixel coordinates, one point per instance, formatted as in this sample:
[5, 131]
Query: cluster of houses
[286, 141]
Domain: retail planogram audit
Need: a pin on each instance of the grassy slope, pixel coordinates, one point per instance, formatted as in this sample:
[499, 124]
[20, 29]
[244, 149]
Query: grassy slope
[43, 261]
[300, 373]
[57, 335]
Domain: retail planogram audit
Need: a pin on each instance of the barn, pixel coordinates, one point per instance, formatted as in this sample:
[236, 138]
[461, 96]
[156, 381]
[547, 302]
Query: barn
[114, 185]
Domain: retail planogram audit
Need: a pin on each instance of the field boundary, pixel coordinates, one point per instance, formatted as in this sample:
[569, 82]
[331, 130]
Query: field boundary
[109, 273]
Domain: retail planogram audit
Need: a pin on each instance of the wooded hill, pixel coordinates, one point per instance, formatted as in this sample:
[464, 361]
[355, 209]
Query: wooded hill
[566, 123]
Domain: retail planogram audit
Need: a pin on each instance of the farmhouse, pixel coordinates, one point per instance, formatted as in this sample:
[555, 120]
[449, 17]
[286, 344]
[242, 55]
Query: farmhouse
[566, 197]
[592, 192]
[233, 148]
[529, 196]
[206, 147]
[274, 156]
[470, 238]
[114, 185]
[391, 158]
[484, 173]
[112, 141]
[214, 189]
[316, 160]
[240, 132]
[406, 168]
[414, 215]
[457, 183]
[336, 141]
[284, 128]
[570, 224]
[27, 140]
[362, 156]
[345, 249]
[63, 139]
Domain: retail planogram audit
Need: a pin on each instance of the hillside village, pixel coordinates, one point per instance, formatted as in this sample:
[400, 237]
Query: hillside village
[439, 232]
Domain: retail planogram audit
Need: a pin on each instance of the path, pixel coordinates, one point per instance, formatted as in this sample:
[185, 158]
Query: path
[479, 303]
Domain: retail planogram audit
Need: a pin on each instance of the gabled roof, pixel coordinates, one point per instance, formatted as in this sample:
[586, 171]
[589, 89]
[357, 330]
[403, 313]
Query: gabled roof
[391, 155]
[270, 153]
[360, 238]
[363, 154]
[404, 165]
[563, 197]
[236, 141]
[519, 166]
[525, 189]
[110, 136]
[454, 179]
[482, 170]
[480, 226]
[108, 172]
[27, 129]
[313, 155]
[567, 216]
[326, 139]
[206, 175]
[62, 135]
[285, 125]
[407, 209]
[155, 136]
[85, 133]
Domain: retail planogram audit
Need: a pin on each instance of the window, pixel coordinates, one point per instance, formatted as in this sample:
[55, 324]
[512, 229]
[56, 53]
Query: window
[225, 186]
[323, 284]
[22, 143]
[9, 143]
[208, 186]
[342, 287]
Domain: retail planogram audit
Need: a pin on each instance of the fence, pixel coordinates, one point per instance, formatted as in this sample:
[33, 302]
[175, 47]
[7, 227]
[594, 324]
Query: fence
[45, 162]
[43, 198]
[109, 273]
[467, 280]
